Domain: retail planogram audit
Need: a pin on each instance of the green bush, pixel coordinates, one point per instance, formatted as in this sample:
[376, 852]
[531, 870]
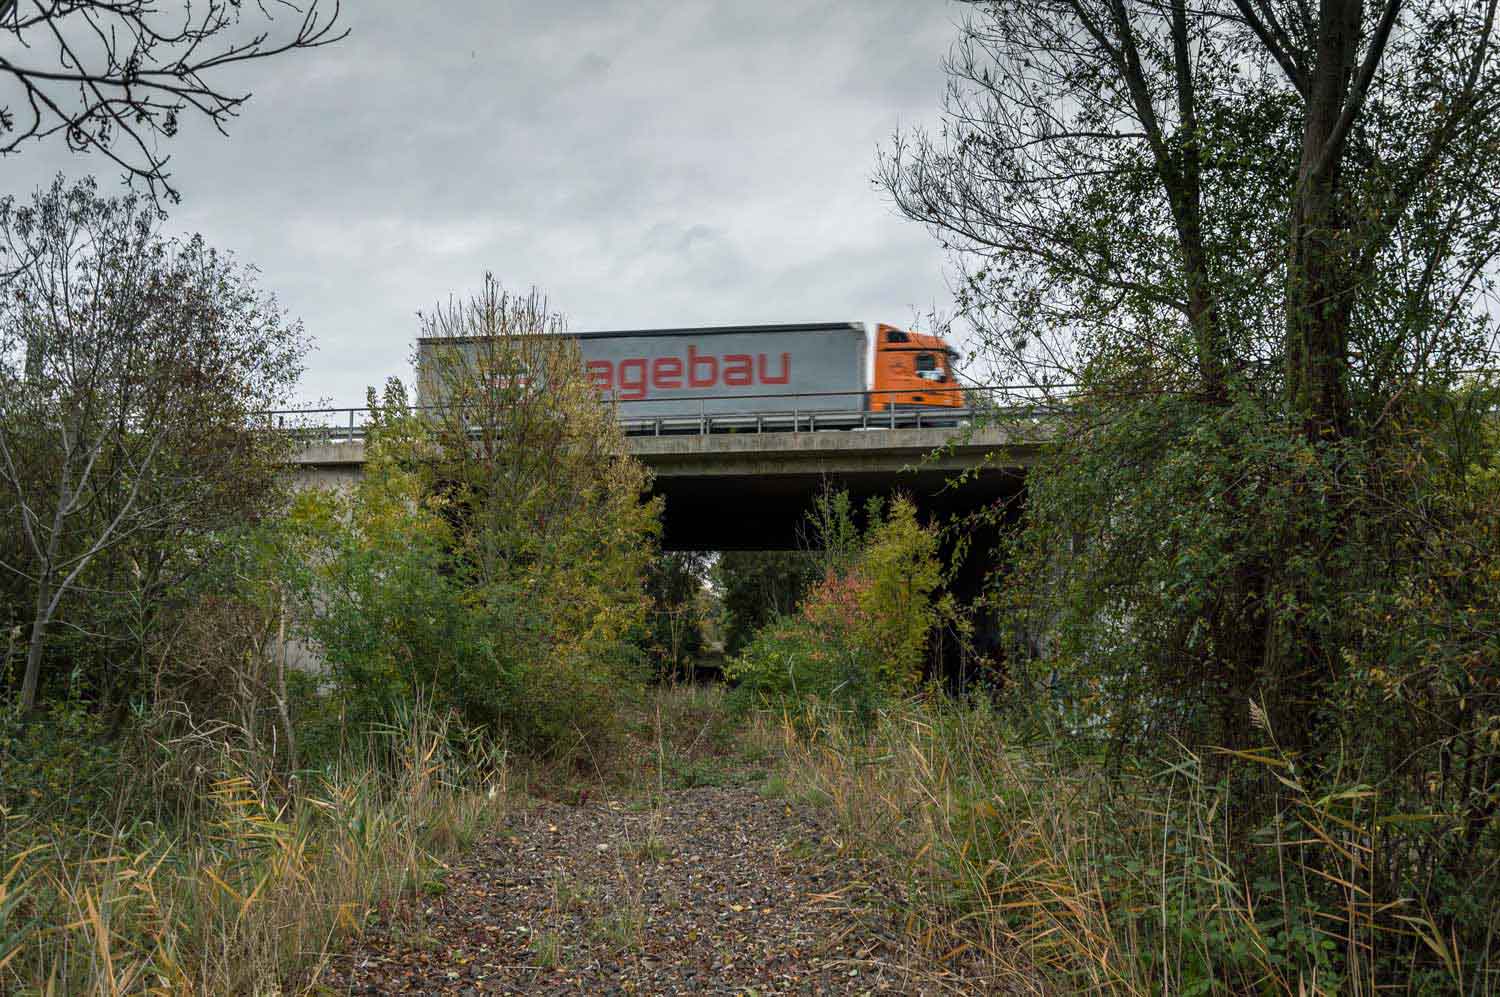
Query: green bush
[860, 636]
[794, 661]
[58, 767]
[492, 557]
[900, 561]
[1207, 577]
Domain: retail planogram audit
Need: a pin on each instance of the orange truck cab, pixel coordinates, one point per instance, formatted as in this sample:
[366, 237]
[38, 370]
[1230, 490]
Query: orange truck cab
[913, 370]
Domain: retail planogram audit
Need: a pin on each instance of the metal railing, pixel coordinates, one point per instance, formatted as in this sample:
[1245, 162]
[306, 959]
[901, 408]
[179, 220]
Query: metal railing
[702, 415]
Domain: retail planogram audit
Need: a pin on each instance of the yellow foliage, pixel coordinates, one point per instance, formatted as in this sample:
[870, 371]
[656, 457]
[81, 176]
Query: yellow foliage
[902, 567]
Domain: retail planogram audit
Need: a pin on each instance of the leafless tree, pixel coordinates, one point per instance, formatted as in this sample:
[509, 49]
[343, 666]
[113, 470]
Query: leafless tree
[113, 76]
[129, 366]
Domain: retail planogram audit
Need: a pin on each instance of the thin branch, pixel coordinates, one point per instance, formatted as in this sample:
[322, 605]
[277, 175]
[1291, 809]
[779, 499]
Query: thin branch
[143, 75]
[1276, 42]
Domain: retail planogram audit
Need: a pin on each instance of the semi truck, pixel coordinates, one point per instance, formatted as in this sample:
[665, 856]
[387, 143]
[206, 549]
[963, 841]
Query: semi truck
[660, 377]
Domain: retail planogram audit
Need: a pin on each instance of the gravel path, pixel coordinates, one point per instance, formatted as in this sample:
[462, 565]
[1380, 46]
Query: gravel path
[713, 890]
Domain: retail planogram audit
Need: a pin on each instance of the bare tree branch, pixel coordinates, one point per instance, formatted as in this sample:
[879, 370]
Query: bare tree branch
[1275, 39]
[126, 71]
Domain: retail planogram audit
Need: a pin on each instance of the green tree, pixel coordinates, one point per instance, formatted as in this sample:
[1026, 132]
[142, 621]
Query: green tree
[1310, 214]
[552, 531]
[1248, 248]
[1144, 196]
[391, 620]
[130, 367]
[901, 562]
[755, 587]
[674, 581]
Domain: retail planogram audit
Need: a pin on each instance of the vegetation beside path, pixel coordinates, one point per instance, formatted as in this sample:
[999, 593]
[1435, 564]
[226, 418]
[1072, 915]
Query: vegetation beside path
[1233, 717]
[234, 717]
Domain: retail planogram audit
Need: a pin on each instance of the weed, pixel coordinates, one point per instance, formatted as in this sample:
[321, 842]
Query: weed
[547, 949]
[776, 787]
[696, 773]
[754, 754]
[651, 848]
[803, 852]
[622, 931]
[568, 895]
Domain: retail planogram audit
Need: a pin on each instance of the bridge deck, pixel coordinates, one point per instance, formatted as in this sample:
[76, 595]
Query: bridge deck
[1010, 445]
[751, 490]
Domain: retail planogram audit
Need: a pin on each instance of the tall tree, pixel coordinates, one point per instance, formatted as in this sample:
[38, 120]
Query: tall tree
[1170, 195]
[1273, 203]
[130, 433]
[553, 529]
[533, 460]
[115, 76]
[674, 581]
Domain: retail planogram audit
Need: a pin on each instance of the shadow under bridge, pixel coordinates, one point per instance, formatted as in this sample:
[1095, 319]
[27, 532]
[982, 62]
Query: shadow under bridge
[753, 491]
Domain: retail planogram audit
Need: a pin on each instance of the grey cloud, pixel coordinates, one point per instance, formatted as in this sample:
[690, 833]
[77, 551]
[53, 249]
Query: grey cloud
[644, 163]
[676, 240]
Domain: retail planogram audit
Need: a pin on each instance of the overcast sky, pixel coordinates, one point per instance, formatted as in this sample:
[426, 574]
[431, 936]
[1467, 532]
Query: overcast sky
[645, 163]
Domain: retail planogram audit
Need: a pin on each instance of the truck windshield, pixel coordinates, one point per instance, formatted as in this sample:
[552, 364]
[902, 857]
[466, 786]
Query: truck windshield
[927, 364]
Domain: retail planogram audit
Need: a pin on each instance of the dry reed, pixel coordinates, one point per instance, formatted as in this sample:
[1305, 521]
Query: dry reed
[1074, 882]
[253, 886]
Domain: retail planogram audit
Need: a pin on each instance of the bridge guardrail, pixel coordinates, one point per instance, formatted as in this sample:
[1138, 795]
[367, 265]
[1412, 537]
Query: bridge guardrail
[349, 424]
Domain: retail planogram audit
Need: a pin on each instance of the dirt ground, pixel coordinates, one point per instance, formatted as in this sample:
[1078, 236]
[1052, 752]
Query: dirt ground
[707, 890]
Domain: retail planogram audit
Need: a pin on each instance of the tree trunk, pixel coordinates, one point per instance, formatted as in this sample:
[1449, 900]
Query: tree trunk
[281, 697]
[32, 678]
[1319, 296]
[1318, 313]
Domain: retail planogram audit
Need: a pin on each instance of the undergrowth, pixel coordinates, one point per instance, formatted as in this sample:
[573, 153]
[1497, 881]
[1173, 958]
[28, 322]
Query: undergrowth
[1078, 880]
[199, 873]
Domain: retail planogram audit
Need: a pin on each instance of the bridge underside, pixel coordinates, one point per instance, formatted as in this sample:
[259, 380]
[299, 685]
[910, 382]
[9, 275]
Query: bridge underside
[768, 512]
[753, 491]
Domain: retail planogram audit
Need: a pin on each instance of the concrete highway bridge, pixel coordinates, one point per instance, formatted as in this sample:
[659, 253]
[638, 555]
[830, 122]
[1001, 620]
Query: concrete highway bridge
[745, 480]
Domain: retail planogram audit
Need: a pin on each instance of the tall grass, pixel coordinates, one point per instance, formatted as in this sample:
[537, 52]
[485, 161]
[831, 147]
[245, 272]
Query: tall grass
[249, 884]
[1133, 883]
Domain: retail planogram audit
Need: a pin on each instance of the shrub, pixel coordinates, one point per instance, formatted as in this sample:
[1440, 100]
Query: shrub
[825, 652]
[1206, 576]
[901, 563]
[492, 557]
[59, 767]
[391, 622]
[861, 634]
